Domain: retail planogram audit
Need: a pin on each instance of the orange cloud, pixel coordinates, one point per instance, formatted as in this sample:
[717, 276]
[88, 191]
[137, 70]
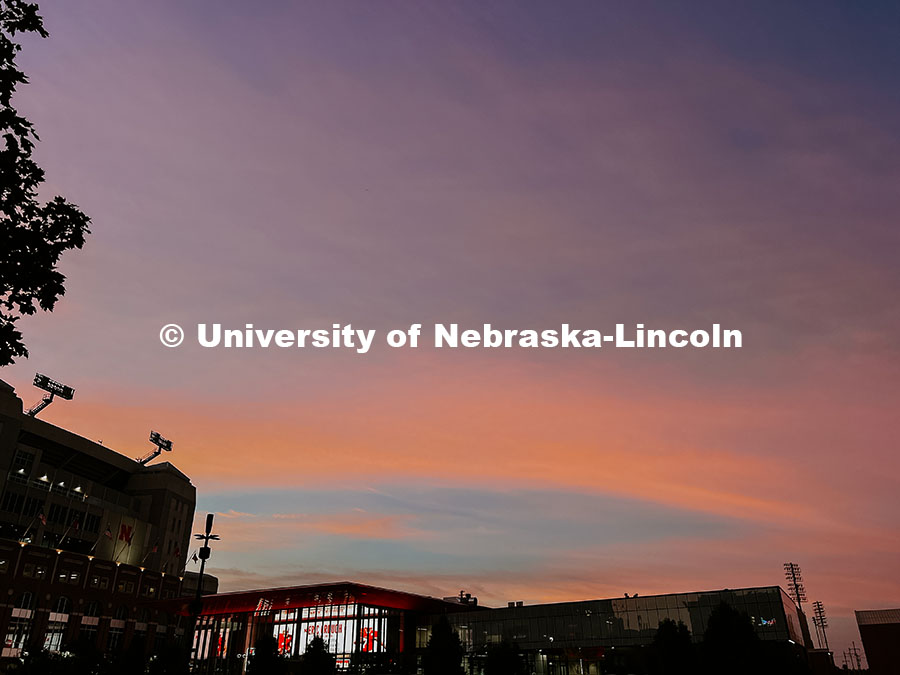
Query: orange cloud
[247, 531]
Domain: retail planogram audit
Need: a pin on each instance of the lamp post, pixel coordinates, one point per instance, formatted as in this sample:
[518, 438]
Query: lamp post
[197, 604]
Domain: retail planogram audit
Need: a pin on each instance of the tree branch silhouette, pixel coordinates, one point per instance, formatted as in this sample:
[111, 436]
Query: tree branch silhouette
[33, 235]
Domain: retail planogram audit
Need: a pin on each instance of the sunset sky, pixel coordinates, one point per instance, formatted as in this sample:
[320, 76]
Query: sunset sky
[293, 165]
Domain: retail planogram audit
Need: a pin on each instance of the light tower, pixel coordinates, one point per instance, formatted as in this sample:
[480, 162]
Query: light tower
[853, 653]
[160, 443]
[820, 621]
[53, 388]
[795, 582]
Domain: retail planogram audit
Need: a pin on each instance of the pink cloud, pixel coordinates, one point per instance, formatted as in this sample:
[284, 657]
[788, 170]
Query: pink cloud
[248, 532]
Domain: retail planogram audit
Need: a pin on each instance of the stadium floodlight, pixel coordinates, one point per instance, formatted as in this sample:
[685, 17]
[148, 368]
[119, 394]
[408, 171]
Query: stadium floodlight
[820, 621]
[162, 444]
[53, 388]
[795, 582]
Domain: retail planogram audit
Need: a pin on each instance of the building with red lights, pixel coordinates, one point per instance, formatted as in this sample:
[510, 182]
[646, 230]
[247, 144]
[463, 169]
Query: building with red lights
[367, 625]
[357, 622]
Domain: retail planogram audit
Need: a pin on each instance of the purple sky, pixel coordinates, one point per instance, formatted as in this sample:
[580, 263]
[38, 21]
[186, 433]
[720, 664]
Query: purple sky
[294, 165]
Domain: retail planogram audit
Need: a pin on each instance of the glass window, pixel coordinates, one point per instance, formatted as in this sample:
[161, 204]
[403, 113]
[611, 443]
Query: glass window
[22, 462]
[25, 601]
[115, 639]
[12, 502]
[88, 634]
[99, 582]
[91, 522]
[62, 605]
[17, 633]
[53, 637]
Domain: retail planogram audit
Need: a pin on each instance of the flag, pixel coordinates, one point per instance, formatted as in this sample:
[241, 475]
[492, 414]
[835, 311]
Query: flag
[177, 551]
[42, 518]
[126, 532]
[155, 548]
[108, 532]
[75, 524]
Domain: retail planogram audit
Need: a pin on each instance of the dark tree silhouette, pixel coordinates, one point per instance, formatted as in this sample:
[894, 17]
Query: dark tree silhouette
[674, 653]
[317, 660]
[265, 659]
[38, 661]
[172, 660]
[85, 656]
[33, 235]
[444, 652]
[504, 658]
[42, 662]
[375, 663]
[730, 645]
[132, 660]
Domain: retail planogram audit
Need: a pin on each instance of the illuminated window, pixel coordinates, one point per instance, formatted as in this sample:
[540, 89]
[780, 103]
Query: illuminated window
[17, 633]
[53, 637]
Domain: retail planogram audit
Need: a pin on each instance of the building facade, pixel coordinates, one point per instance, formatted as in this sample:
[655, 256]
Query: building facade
[607, 636]
[880, 633]
[60, 490]
[55, 599]
[362, 624]
[358, 623]
[90, 540]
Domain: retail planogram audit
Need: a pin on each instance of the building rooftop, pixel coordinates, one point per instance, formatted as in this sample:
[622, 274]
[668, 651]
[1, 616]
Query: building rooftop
[872, 617]
[341, 592]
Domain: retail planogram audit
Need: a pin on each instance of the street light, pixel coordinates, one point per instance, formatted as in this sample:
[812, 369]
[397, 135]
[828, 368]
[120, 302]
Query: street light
[203, 554]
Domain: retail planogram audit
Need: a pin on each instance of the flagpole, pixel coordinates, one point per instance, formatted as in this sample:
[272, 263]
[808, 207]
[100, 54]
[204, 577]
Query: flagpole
[28, 529]
[189, 559]
[107, 533]
[152, 550]
[74, 524]
[116, 558]
[63, 537]
[119, 528]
